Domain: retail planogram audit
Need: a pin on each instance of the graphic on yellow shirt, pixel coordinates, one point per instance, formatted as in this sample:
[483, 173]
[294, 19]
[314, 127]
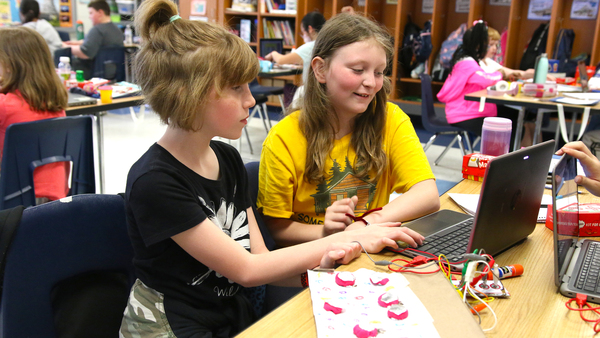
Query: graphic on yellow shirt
[343, 184]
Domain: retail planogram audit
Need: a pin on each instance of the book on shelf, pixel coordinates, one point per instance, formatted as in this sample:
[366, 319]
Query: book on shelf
[279, 29]
[243, 5]
[280, 6]
[245, 30]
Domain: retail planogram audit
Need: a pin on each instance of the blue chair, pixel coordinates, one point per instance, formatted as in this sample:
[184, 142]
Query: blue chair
[69, 270]
[437, 124]
[272, 296]
[32, 144]
[260, 109]
[109, 63]
[257, 90]
[62, 52]
[64, 36]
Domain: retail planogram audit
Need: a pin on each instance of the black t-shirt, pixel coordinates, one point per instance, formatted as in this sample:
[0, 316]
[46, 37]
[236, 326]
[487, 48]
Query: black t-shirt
[165, 198]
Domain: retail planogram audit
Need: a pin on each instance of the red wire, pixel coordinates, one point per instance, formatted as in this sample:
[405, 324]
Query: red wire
[581, 308]
[411, 264]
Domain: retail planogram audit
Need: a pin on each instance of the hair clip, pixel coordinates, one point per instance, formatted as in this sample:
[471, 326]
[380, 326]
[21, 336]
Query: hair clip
[174, 17]
[479, 21]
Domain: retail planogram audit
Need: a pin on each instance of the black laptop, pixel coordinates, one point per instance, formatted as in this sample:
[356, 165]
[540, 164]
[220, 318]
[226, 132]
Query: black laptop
[269, 45]
[509, 203]
[576, 262]
[80, 100]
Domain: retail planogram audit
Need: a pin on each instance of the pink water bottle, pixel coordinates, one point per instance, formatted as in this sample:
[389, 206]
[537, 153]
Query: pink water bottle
[495, 136]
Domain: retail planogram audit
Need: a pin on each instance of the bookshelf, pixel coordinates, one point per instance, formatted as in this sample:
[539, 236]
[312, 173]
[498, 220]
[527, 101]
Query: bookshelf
[444, 20]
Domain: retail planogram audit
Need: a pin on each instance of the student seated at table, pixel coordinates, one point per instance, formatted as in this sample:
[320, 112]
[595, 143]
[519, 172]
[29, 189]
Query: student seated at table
[189, 212]
[103, 34]
[309, 26]
[29, 12]
[347, 149]
[467, 76]
[30, 90]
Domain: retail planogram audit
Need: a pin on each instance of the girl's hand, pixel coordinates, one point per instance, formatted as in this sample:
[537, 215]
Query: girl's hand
[339, 253]
[589, 162]
[375, 238]
[335, 216]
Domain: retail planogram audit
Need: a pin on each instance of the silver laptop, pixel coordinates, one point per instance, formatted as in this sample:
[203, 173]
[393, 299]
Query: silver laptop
[576, 262]
[507, 212]
[80, 100]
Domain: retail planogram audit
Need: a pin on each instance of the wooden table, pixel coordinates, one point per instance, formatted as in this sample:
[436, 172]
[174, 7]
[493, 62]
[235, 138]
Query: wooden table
[96, 110]
[541, 105]
[535, 308]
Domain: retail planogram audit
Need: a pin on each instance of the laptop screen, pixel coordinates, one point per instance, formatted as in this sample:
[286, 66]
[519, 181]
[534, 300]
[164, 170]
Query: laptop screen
[565, 214]
[269, 45]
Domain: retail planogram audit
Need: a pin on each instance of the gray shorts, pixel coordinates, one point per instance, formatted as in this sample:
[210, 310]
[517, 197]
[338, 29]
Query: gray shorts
[145, 316]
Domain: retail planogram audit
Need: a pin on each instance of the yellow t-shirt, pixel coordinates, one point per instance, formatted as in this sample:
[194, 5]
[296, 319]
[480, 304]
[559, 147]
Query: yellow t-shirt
[284, 193]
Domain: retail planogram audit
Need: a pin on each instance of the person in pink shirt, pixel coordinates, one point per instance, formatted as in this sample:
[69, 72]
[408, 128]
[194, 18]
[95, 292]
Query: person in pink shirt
[467, 76]
[30, 90]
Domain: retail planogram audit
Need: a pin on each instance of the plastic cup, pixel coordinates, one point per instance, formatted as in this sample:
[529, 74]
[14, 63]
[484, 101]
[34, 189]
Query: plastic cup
[495, 136]
[105, 94]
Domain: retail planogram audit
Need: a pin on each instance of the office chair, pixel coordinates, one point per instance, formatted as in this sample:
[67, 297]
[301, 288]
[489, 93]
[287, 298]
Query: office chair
[69, 270]
[257, 90]
[64, 36]
[437, 124]
[32, 144]
[62, 52]
[109, 63]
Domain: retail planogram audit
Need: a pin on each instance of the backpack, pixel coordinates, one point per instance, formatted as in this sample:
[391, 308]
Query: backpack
[422, 44]
[535, 47]
[450, 45]
[439, 73]
[563, 48]
[411, 31]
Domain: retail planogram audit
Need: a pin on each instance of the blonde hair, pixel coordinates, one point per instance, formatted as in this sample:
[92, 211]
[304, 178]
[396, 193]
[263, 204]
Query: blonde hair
[318, 120]
[493, 34]
[181, 61]
[29, 68]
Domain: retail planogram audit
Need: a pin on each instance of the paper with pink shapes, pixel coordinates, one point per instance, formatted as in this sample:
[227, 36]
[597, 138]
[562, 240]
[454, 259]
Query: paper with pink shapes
[360, 306]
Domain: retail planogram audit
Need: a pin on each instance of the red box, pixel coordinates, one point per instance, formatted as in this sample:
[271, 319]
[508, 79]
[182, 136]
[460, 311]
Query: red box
[588, 221]
[474, 166]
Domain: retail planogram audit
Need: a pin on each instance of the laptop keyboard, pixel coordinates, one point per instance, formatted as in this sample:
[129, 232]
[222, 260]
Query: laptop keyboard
[450, 242]
[590, 269]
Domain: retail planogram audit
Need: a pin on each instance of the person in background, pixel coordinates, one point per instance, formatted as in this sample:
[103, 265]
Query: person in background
[30, 90]
[589, 162]
[309, 27]
[195, 237]
[489, 65]
[347, 149]
[103, 34]
[29, 12]
[467, 76]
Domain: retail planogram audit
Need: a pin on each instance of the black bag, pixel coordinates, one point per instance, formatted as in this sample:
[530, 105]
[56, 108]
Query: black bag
[535, 47]
[422, 46]
[563, 48]
[411, 32]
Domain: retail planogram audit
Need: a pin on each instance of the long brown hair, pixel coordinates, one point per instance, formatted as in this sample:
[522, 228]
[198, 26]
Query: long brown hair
[182, 61]
[29, 68]
[318, 120]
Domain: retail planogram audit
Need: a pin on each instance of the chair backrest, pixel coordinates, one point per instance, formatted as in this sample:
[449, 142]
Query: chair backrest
[252, 171]
[58, 241]
[64, 36]
[109, 63]
[427, 109]
[31, 144]
[62, 52]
